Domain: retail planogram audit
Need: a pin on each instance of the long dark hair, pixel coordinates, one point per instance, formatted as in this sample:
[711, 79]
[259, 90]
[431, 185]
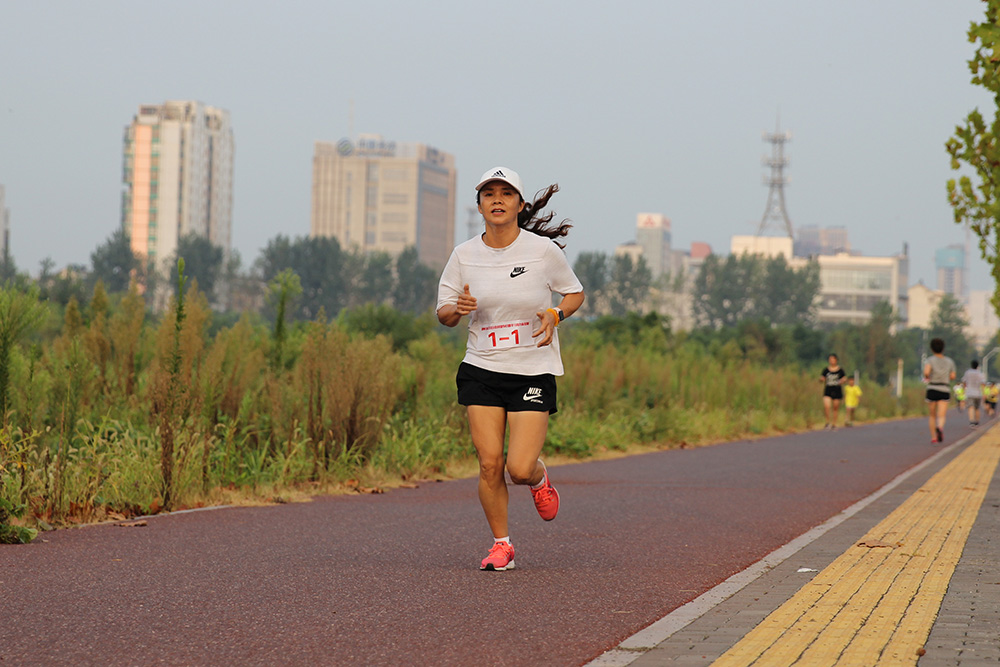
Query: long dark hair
[531, 219]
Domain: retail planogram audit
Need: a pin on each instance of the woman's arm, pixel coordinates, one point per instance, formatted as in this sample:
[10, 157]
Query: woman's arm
[570, 304]
[451, 314]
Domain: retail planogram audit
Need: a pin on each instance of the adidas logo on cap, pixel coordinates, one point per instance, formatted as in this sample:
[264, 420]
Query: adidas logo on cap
[503, 174]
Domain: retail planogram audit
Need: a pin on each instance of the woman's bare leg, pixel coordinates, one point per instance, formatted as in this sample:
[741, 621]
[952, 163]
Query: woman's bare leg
[488, 425]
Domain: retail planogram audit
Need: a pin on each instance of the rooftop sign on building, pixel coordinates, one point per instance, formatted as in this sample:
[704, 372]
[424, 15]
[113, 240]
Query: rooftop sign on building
[365, 146]
[653, 221]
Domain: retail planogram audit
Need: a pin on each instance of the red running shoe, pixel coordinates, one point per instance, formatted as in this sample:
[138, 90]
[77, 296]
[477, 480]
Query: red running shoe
[500, 558]
[546, 497]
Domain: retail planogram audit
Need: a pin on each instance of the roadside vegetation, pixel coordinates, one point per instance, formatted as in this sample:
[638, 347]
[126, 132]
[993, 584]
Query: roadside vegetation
[110, 413]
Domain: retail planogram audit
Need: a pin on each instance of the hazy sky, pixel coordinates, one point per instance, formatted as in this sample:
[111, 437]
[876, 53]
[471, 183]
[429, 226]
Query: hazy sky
[630, 106]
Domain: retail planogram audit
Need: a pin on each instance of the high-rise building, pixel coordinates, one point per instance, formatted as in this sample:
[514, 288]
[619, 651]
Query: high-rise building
[4, 226]
[950, 265]
[983, 321]
[378, 195]
[652, 234]
[178, 176]
[922, 303]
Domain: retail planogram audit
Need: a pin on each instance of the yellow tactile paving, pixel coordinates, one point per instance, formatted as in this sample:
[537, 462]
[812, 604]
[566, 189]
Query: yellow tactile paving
[875, 604]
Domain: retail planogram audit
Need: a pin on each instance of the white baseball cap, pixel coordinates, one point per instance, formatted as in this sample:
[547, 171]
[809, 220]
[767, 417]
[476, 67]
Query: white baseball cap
[502, 174]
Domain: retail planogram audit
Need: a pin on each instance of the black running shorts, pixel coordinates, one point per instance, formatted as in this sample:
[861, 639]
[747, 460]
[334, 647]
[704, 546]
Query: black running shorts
[515, 393]
[937, 395]
[836, 392]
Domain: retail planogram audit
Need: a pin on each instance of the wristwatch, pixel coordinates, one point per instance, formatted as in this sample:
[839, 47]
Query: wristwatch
[562, 315]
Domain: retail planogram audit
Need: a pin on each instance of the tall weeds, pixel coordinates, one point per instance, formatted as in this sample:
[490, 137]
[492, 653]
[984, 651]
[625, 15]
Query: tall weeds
[20, 312]
[119, 414]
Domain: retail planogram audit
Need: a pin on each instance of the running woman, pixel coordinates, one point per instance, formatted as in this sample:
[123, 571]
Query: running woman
[832, 377]
[939, 373]
[504, 280]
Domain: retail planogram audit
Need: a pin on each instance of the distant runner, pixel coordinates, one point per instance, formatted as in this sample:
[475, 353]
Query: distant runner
[939, 373]
[973, 382]
[832, 377]
[959, 392]
[852, 398]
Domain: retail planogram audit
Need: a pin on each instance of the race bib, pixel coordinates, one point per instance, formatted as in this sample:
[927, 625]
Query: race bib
[504, 335]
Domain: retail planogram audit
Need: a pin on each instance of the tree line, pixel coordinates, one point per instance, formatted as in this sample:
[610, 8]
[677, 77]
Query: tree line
[331, 278]
[758, 307]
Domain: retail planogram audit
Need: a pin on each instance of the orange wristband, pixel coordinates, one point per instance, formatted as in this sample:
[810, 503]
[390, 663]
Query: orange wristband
[555, 314]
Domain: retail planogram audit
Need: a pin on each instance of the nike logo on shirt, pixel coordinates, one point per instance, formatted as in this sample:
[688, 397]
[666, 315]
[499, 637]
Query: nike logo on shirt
[518, 270]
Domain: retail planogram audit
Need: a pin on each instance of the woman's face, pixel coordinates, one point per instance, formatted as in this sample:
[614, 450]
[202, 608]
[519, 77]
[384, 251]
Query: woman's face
[499, 203]
[832, 360]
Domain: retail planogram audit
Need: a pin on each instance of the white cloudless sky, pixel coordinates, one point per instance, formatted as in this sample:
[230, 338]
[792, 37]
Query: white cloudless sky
[653, 106]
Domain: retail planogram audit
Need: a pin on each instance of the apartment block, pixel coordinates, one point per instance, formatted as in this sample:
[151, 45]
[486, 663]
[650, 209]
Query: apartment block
[377, 195]
[178, 178]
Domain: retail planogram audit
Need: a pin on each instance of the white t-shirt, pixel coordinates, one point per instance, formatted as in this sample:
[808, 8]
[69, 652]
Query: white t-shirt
[940, 376]
[974, 381]
[511, 285]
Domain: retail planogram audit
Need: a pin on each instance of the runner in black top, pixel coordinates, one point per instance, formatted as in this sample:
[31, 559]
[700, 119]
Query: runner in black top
[832, 377]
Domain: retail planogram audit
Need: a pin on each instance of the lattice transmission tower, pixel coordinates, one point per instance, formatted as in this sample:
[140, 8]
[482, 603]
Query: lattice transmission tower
[775, 213]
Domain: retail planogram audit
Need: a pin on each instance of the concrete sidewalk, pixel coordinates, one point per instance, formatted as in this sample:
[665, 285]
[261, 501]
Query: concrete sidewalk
[910, 576]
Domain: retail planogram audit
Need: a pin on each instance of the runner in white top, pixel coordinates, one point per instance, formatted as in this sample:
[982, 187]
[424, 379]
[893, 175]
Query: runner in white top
[504, 280]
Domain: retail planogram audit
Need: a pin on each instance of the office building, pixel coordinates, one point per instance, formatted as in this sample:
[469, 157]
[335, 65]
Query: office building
[950, 265]
[923, 302]
[632, 250]
[767, 246]
[675, 298]
[178, 176]
[852, 285]
[983, 321]
[379, 195]
[652, 234]
[811, 240]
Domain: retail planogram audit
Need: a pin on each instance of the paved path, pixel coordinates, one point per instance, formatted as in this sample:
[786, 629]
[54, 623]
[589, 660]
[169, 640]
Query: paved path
[919, 587]
[392, 579]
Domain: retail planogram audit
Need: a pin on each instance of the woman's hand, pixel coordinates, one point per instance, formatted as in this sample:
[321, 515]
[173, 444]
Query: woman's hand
[450, 314]
[546, 328]
[466, 303]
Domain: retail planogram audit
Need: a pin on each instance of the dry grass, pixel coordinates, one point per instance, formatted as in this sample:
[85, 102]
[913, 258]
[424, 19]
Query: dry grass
[119, 417]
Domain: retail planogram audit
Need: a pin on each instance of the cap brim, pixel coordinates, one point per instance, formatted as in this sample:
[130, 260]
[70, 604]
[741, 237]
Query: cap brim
[500, 180]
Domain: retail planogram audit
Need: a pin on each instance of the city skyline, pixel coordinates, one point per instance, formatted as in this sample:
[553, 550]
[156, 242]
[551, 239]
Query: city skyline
[666, 116]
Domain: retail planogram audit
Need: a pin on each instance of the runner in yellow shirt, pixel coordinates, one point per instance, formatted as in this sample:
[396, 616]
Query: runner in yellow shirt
[990, 394]
[958, 391]
[852, 397]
